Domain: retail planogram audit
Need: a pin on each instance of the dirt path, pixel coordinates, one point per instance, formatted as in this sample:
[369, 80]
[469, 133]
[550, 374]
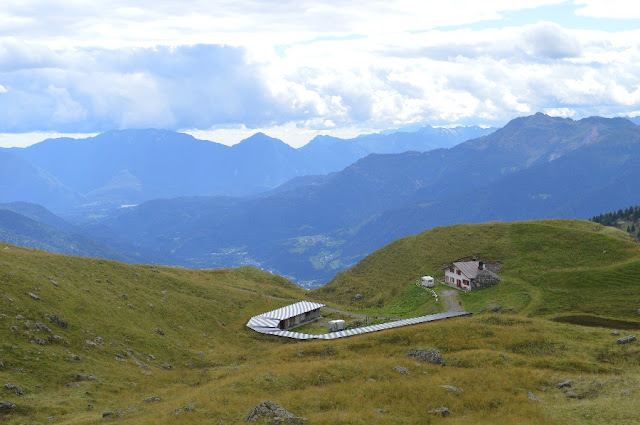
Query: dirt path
[346, 313]
[450, 300]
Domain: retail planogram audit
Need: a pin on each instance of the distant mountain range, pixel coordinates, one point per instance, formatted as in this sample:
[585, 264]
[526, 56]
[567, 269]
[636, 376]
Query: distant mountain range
[128, 167]
[534, 167]
[315, 226]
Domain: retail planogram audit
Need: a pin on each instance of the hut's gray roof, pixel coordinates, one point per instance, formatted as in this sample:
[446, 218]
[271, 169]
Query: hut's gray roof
[468, 268]
[272, 318]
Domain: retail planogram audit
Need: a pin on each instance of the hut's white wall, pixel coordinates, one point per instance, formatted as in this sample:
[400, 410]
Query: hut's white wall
[453, 276]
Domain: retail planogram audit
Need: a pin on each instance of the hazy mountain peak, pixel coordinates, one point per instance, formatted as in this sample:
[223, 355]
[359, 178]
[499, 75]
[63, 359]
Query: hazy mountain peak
[261, 140]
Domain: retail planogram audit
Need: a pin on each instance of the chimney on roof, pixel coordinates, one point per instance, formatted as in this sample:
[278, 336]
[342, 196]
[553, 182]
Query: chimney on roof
[480, 265]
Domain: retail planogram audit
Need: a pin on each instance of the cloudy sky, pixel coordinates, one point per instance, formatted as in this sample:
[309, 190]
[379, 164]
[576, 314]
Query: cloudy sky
[222, 70]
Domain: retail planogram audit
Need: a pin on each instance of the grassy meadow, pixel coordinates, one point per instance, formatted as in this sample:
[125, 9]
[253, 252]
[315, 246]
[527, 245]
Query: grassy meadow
[83, 337]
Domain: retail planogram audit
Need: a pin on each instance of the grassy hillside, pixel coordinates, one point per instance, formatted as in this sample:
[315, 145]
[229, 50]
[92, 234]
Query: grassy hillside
[547, 267]
[134, 332]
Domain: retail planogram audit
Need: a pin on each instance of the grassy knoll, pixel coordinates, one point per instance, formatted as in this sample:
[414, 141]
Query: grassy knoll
[139, 331]
[547, 267]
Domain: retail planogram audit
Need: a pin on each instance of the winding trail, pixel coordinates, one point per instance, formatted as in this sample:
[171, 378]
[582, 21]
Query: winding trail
[450, 300]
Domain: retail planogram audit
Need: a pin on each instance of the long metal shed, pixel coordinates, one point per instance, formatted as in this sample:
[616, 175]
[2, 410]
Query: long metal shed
[287, 316]
[268, 323]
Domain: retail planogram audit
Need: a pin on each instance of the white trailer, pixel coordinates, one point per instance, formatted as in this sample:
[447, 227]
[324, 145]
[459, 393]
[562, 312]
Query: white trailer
[336, 325]
[427, 282]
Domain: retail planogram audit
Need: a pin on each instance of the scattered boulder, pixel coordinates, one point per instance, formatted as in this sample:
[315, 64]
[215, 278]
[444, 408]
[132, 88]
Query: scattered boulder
[139, 363]
[426, 355]
[442, 411]
[452, 388]
[42, 327]
[57, 320]
[75, 358]
[571, 394]
[159, 331]
[615, 333]
[273, 413]
[152, 398]
[358, 297]
[626, 339]
[495, 309]
[84, 377]
[1, 364]
[6, 405]
[14, 387]
[189, 408]
[34, 296]
[565, 384]
[53, 282]
[532, 396]
[401, 369]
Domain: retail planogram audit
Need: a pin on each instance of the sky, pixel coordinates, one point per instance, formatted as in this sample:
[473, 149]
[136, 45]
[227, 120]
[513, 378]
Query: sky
[223, 70]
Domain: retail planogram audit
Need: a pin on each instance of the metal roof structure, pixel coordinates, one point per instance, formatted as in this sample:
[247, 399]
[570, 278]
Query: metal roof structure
[269, 325]
[271, 319]
[469, 268]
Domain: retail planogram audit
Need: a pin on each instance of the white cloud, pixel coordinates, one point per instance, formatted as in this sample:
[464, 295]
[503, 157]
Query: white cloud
[551, 41]
[560, 112]
[22, 140]
[288, 66]
[616, 9]
[295, 134]
[241, 22]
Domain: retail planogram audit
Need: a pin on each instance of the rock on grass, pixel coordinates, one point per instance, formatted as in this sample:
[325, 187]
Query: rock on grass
[270, 411]
[401, 369]
[442, 411]
[432, 355]
[6, 405]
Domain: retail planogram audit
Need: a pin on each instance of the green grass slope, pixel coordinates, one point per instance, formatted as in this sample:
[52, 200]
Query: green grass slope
[136, 332]
[547, 267]
[135, 328]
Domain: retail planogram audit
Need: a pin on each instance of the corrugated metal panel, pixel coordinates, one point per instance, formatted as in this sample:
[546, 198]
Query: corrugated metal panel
[468, 268]
[356, 331]
[292, 310]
